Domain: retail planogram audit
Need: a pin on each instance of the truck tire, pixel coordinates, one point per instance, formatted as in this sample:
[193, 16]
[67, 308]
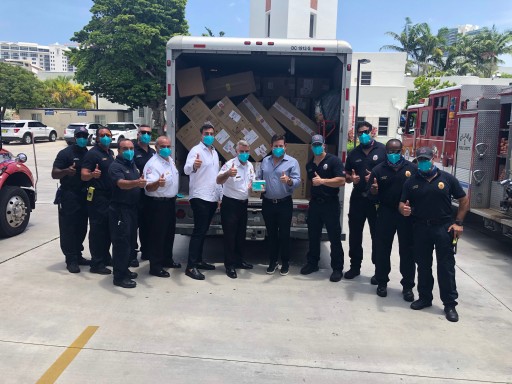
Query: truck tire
[14, 211]
[53, 136]
[27, 138]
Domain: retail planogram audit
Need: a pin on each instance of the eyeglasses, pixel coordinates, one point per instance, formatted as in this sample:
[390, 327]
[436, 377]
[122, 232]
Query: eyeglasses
[367, 131]
[105, 134]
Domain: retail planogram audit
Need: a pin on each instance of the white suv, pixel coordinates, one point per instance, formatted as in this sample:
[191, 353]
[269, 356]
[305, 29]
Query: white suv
[122, 130]
[26, 131]
[69, 132]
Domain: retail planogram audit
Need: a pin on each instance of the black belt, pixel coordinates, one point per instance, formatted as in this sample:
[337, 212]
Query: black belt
[430, 222]
[324, 199]
[235, 200]
[162, 198]
[276, 201]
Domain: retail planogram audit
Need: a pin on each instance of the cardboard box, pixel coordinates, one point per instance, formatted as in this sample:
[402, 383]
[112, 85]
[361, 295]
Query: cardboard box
[225, 142]
[197, 111]
[260, 118]
[229, 86]
[190, 82]
[189, 135]
[302, 153]
[293, 119]
[278, 86]
[312, 87]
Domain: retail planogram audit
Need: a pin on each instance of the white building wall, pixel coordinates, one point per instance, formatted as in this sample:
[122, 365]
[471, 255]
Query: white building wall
[327, 19]
[257, 19]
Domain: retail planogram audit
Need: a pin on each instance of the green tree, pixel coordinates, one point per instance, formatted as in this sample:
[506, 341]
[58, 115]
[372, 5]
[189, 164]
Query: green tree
[490, 44]
[122, 51]
[19, 88]
[61, 92]
[407, 41]
[423, 86]
[209, 33]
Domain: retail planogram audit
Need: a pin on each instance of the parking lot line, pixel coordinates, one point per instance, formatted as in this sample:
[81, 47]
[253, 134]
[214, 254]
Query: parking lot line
[56, 369]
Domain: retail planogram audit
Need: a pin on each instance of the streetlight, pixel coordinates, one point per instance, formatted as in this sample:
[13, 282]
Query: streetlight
[359, 62]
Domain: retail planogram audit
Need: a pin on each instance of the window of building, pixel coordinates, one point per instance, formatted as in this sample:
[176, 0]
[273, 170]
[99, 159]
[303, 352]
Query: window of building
[100, 119]
[141, 112]
[383, 126]
[360, 119]
[268, 24]
[366, 78]
[424, 121]
[312, 25]
[37, 116]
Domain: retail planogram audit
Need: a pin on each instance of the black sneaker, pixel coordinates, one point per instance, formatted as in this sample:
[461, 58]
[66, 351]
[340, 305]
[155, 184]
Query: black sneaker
[373, 281]
[100, 270]
[351, 273]
[420, 304]
[382, 291]
[125, 283]
[308, 268]
[408, 294]
[272, 268]
[285, 269]
[83, 261]
[336, 276]
[73, 268]
[134, 263]
[451, 313]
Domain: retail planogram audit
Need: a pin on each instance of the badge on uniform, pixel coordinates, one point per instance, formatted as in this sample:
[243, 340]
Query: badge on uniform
[415, 186]
[325, 167]
[104, 159]
[375, 157]
[441, 185]
[407, 174]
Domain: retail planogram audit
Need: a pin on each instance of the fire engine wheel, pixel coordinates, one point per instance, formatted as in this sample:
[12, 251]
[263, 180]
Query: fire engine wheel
[53, 136]
[27, 139]
[14, 211]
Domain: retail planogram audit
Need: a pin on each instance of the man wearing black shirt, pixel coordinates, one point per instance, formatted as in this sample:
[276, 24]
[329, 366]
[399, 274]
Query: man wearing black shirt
[143, 152]
[71, 200]
[122, 212]
[327, 176]
[385, 187]
[95, 173]
[427, 198]
[359, 164]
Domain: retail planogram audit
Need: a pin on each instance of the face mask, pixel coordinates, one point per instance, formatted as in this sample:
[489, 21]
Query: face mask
[128, 154]
[145, 138]
[165, 152]
[105, 141]
[243, 157]
[317, 150]
[278, 152]
[208, 140]
[424, 165]
[81, 142]
[365, 139]
[394, 158]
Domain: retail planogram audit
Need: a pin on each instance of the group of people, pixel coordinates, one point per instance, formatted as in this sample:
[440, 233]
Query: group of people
[135, 192]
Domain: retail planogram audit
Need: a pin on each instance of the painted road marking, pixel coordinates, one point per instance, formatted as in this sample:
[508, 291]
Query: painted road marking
[56, 369]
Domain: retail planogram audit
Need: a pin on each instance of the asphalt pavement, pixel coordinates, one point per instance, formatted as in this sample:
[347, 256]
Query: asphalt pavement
[259, 328]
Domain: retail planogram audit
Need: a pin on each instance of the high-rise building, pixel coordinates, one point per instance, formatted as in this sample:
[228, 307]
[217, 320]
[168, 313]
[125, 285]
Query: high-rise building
[50, 58]
[300, 19]
[466, 29]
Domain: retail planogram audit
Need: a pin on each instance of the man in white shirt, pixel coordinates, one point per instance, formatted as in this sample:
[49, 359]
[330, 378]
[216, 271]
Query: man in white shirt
[161, 189]
[236, 176]
[202, 166]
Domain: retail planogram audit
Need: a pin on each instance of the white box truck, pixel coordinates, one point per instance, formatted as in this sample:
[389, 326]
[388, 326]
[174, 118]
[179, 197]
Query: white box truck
[298, 61]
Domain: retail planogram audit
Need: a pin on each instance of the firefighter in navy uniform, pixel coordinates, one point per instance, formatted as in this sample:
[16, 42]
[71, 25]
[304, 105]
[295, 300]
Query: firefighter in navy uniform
[143, 152]
[359, 164]
[385, 186]
[71, 200]
[122, 212]
[95, 174]
[427, 198]
[327, 175]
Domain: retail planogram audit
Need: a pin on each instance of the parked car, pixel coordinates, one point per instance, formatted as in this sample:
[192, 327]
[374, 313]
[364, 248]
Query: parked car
[122, 130]
[26, 131]
[69, 132]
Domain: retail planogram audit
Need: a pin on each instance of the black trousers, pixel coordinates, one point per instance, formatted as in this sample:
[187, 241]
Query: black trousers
[161, 231]
[389, 222]
[360, 210]
[325, 213]
[426, 237]
[72, 224]
[99, 231]
[144, 220]
[278, 219]
[233, 214]
[203, 213]
[123, 230]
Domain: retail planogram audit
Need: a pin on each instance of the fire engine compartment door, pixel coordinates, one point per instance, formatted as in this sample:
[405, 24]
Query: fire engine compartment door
[465, 151]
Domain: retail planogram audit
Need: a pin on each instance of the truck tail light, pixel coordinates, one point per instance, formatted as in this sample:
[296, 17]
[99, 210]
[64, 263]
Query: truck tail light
[347, 94]
[318, 49]
[270, 43]
[169, 89]
[349, 67]
[259, 43]
[247, 42]
[16, 130]
[199, 45]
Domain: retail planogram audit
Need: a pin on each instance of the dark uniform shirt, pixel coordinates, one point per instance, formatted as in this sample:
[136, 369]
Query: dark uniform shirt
[431, 200]
[391, 181]
[73, 154]
[142, 157]
[360, 162]
[98, 156]
[122, 169]
[330, 167]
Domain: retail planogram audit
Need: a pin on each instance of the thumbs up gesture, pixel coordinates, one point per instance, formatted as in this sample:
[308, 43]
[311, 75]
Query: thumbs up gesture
[375, 187]
[406, 209]
[72, 170]
[232, 172]
[317, 180]
[141, 182]
[355, 178]
[367, 176]
[161, 181]
[97, 172]
[284, 178]
[197, 162]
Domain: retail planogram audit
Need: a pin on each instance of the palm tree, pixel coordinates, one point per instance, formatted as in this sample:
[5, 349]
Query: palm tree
[491, 44]
[430, 48]
[407, 41]
[211, 34]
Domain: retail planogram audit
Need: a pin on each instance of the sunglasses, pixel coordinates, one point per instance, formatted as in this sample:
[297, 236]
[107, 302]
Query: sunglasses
[105, 134]
[361, 132]
[145, 133]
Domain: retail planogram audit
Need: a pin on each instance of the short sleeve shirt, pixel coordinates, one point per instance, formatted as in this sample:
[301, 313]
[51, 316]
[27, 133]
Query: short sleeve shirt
[360, 162]
[329, 168]
[102, 158]
[73, 154]
[237, 187]
[122, 169]
[155, 168]
[142, 156]
[391, 181]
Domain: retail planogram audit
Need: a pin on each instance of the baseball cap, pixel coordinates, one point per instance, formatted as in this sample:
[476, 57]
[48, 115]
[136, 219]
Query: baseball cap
[80, 130]
[317, 139]
[425, 153]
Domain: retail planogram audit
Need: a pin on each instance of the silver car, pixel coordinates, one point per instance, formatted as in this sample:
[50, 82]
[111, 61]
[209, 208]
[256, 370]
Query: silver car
[69, 132]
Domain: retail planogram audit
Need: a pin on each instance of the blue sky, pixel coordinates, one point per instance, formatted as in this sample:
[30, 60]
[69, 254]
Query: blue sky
[362, 23]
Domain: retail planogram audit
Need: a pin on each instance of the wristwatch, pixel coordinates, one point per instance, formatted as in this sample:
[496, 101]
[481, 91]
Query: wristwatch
[459, 223]
[288, 182]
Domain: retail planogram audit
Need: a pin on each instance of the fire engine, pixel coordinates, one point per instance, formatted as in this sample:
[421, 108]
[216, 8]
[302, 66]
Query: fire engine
[468, 128]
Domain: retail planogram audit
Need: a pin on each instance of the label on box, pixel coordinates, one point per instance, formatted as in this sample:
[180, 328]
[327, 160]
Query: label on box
[259, 118]
[222, 136]
[235, 116]
[261, 150]
[230, 147]
[250, 136]
[293, 119]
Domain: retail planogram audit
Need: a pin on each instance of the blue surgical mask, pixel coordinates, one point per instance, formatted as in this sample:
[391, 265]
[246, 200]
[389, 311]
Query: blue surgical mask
[317, 149]
[365, 139]
[424, 165]
[394, 158]
[105, 141]
[81, 142]
[145, 138]
[208, 140]
[164, 152]
[278, 152]
[243, 157]
[128, 154]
